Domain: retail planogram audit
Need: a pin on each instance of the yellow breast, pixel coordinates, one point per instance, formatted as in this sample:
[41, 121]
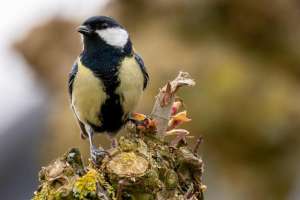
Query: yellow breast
[88, 95]
[131, 83]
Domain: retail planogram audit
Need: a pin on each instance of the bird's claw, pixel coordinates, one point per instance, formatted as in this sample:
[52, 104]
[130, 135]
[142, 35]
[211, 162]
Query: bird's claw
[97, 155]
[114, 143]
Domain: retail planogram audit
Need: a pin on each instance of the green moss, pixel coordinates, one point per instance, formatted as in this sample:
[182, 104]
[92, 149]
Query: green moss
[108, 187]
[151, 181]
[171, 180]
[64, 193]
[142, 196]
[127, 145]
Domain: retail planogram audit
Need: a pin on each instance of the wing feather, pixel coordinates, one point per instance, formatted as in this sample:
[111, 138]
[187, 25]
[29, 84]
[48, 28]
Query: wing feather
[140, 61]
[72, 76]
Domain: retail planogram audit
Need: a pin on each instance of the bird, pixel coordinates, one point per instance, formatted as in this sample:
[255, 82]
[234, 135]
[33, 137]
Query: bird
[106, 81]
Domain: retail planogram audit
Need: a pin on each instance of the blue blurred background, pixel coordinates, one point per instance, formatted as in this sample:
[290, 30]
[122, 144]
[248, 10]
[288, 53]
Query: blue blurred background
[244, 55]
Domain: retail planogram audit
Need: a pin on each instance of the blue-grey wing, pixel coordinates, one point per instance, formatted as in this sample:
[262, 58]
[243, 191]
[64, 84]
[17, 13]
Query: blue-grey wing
[72, 75]
[140, 61]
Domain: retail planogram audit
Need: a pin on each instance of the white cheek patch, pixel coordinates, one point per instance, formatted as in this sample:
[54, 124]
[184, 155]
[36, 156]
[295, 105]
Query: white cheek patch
[117, 37]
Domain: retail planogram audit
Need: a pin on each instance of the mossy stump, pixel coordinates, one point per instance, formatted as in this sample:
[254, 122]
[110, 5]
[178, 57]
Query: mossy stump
[141, 169]
[143, 166]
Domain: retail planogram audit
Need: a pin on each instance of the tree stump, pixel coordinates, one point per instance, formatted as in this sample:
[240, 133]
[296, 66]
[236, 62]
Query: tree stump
[144, 165]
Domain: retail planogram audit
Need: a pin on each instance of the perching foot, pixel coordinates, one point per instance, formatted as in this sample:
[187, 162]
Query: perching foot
[97, 155]
[114, 143]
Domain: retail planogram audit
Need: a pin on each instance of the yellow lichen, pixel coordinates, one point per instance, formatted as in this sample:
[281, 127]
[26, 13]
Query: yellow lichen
[86, 186]
[44, 194]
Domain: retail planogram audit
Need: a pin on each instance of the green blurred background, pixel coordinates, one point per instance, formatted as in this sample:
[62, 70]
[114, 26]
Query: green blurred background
[244, 56]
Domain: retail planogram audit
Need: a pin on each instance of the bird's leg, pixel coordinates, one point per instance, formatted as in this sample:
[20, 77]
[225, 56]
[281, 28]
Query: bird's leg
[114, 142]
[97, 154]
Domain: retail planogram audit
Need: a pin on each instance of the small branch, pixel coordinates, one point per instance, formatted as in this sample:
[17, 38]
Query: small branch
[162, 108]
[199, 142]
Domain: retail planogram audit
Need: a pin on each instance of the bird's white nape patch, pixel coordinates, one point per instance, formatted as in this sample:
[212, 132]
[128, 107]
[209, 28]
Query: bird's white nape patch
[116, 36]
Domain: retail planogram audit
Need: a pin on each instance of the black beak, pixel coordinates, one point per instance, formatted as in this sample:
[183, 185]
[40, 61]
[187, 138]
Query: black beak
[84, 30]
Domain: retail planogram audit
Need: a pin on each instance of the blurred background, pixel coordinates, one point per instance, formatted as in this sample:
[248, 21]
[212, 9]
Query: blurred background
[244, 55]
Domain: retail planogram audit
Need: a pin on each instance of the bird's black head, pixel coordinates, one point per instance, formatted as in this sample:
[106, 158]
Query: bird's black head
[100, 31]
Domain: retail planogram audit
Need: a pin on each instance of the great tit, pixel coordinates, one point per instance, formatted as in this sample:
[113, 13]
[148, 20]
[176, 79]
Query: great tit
[106, 81]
